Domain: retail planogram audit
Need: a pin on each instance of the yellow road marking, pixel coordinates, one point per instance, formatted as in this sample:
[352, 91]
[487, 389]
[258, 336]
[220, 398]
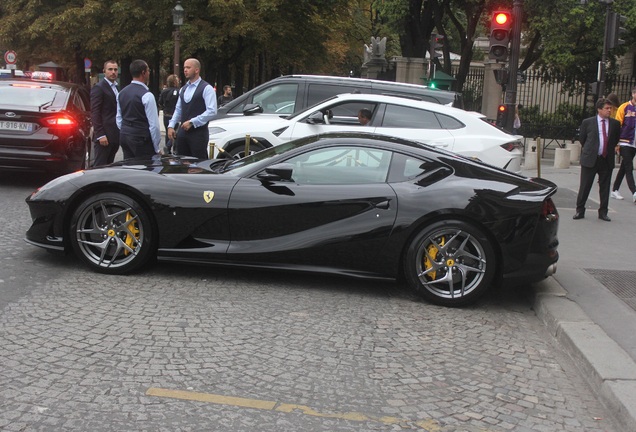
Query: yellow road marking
[428, 425]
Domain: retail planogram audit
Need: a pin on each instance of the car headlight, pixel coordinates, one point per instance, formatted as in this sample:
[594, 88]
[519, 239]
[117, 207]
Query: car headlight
[215, 130]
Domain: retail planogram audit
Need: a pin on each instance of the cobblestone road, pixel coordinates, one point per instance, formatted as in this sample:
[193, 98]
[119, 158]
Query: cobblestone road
[181, 348]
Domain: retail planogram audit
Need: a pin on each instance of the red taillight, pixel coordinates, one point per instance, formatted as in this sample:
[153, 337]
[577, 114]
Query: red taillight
[549, 210]
[512, 146]
[59, 122]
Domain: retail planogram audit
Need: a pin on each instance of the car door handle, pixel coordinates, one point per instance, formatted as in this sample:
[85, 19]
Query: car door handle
[384, 205]
[440, 144]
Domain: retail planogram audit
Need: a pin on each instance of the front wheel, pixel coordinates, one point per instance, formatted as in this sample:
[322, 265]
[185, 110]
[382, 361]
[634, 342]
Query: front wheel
[450, 263]
[112, 233]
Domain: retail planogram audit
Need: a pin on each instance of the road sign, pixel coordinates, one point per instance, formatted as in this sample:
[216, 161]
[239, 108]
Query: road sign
[10, 57]
[87, 64]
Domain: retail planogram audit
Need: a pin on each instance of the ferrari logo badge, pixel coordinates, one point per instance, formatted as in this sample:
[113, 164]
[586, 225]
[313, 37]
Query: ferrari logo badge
[208, 196]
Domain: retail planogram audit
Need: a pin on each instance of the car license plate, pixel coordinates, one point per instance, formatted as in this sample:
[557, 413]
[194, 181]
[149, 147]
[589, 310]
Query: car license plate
[16, 126]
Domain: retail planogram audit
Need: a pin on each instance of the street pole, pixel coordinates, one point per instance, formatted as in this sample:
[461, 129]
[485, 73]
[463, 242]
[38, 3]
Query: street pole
[603, 65]
[510, 98]
[177, 40]
[177, 20]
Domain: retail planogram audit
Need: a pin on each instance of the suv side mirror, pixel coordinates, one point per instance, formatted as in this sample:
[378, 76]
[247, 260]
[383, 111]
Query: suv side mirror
[316, 118]
[251, 109]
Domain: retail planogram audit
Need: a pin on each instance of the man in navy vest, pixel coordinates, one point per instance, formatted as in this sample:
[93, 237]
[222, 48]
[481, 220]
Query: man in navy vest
[137, 116]
[197, 104]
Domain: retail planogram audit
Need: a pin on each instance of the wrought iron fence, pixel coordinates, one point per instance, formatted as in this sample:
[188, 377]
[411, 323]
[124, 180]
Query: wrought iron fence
[473, 88]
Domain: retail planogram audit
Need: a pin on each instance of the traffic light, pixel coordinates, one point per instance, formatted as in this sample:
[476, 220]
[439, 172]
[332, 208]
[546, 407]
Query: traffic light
[616, 30]
[436, 43]
[500, 26]
[502, 115]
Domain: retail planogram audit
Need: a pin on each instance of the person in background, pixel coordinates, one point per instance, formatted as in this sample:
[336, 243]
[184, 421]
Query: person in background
[103, 113]
[364, 116]
[225, 97]
[516, 123]
[626, 115]
[167, 102]
[137, 116]
[197, 104]
[613, 98]
[599, 136]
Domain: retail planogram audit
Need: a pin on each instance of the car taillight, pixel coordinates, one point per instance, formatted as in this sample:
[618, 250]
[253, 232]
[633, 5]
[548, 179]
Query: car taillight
[510, 146]
[549, 210]
[59, 122]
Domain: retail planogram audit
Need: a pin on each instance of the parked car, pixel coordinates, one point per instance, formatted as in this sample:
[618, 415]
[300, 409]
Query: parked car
[288, 94]
[44, 126]
[456, 130]
[354, 204]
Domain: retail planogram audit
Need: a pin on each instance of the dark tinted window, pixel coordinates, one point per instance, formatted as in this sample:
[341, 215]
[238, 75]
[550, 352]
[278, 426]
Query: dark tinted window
[398, 116]
[319, 92]
[449, 122]
[405, 167]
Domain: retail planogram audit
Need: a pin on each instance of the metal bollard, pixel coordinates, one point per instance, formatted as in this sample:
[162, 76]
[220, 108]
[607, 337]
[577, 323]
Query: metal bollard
[247, 145]
[211, 150]
[539, 151]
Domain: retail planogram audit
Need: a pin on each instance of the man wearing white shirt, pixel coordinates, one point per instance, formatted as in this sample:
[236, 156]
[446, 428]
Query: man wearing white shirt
[196, 104]
[137, 116]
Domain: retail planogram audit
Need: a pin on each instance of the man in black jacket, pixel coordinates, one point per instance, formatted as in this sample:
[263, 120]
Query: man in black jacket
[599, 137]
[103, 112]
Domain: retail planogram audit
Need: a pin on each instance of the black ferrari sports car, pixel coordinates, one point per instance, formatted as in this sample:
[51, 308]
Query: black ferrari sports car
[353, 204]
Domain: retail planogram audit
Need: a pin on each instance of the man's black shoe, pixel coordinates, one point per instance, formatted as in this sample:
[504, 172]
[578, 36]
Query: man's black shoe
[605, 218]
[579, 216]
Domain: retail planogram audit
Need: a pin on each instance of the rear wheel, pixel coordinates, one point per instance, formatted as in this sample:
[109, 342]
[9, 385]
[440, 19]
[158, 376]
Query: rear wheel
[450, 263]
[112, 233]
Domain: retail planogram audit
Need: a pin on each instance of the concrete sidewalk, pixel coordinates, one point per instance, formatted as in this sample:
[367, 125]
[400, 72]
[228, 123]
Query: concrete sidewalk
[589, 305]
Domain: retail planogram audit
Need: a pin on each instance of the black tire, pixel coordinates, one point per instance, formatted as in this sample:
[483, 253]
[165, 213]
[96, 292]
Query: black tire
[112, 233]
[450, 263]
[239, 151]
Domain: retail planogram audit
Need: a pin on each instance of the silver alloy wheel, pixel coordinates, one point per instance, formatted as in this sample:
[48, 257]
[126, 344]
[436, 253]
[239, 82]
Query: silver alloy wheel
[450, 263]
[109, 233]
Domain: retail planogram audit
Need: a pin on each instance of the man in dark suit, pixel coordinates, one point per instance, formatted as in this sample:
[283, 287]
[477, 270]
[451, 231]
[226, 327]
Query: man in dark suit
[103, 112]
[599, 137]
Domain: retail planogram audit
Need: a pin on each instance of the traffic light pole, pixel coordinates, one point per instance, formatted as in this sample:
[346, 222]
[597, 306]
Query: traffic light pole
[510, 98]
[606, 37]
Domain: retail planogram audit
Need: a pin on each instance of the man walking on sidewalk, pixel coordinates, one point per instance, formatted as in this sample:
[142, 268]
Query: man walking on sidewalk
[626, 114]
[599, 136]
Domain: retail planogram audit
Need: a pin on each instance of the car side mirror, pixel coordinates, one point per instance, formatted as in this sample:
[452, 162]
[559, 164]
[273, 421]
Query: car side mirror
[251, 109]
[316, 118]
[276, 172]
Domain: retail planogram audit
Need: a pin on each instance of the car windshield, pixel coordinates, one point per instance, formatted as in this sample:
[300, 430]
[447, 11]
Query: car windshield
[240, 166]
[306, 110]
[27, 96]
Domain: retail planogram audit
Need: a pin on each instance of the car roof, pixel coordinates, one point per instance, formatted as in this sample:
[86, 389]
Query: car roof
[328, 78]
[54, 85]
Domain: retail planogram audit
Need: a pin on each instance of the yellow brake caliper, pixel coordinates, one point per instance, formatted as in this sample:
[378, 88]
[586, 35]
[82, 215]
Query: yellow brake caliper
[133, 228]
[432, 252]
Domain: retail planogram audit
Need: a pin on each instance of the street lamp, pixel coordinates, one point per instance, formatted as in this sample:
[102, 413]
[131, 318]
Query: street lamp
[177, 20]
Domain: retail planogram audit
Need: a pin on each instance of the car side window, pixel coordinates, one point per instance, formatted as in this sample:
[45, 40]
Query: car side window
[347, 113]
[449, 122]
[341, 165]
[398, 116]
[277, 99]
[319, 92]
[406, 167]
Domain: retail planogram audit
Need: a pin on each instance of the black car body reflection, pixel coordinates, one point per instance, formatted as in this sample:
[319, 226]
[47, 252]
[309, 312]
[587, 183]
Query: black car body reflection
[349, 203]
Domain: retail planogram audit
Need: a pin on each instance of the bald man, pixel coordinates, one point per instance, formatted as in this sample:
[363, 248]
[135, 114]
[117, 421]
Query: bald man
[197, 106]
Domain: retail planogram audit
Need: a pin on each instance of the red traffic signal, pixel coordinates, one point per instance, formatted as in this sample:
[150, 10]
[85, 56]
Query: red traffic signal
[500, 27]
[502, 113]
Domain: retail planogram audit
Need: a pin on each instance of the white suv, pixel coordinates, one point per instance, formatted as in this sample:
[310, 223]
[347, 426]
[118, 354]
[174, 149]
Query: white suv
[456, 130]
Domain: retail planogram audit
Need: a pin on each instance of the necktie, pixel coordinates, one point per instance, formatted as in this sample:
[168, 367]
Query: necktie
[604, 152]
[114, 86]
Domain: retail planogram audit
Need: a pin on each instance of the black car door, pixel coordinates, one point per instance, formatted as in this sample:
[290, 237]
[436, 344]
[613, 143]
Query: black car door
[337, 212]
